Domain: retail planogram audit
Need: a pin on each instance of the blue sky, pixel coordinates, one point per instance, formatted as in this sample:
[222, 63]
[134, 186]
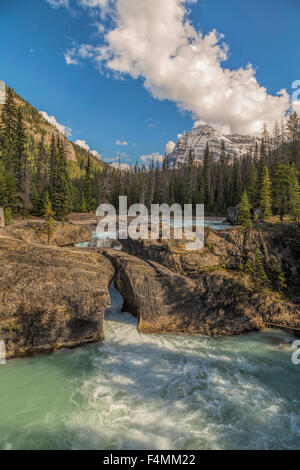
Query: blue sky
[102, 105]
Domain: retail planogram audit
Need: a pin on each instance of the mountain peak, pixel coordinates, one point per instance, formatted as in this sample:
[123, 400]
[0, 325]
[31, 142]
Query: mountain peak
[195, 142]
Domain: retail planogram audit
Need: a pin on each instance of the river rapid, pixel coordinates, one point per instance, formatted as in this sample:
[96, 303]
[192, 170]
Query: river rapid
[137, 391]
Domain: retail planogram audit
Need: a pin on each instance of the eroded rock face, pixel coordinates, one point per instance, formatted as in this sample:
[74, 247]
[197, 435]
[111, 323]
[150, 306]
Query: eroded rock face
[225, 248]
[51, 298]
[216, 303]
[172, 290]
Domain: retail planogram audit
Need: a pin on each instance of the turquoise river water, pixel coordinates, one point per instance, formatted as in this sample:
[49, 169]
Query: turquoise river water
[135, 391]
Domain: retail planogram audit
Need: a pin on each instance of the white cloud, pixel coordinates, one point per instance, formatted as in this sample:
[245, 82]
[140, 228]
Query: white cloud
[170, 147]
[84, 51]
[103, 5]
[82, 144]
[122, 143]
[198, 123]
[156, 41]
[122, 166]
[70, 57]
[58, 3]
[66, 131]
[156, 157]
[296, 106]
[96, 154]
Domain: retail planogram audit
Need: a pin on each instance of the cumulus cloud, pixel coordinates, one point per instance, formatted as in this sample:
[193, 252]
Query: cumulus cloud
[156, 41]
[70, 57]
[82, 144]
[122, 143]
[96, 154]
[66, 131]
[156, 157]
[84, 51]
[170, 147]
[121, 166]
[58, 3]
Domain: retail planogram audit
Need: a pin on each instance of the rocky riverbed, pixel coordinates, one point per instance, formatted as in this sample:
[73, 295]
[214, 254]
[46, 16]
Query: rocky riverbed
[55, 297]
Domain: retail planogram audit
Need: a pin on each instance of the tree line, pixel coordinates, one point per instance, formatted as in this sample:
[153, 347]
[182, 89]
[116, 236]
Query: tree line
[266, 179]
[35, 175]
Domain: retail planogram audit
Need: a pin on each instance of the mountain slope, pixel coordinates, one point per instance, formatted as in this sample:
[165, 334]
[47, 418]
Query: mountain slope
[42, 130]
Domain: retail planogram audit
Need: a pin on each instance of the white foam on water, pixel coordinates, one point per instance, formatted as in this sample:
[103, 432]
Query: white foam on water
[136, 391]
[168, 392]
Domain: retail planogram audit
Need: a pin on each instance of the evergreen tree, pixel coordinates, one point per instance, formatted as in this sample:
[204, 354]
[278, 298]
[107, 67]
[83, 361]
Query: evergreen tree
[62, 189]
[236, 183]
[265, 195]
[281, 189]
[220, 190]
[295, 195]
[87, 185]
[7, 189]
[245, 213]
[257, 271]
[49, 224]
[53, 157]
[252, 187]
[20, 157]
[293, 129]
[206, 174]
[8, 131]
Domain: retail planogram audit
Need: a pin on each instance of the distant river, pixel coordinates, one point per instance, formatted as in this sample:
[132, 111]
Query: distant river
[135, 391]
[216, 224]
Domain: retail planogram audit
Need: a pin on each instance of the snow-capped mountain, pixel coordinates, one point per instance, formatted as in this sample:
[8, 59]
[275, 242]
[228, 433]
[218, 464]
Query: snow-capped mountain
[194, 142]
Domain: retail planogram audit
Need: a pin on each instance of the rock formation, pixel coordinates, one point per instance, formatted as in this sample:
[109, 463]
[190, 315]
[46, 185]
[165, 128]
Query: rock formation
[213, 302]
[50, 298]
[54, 297]
[66, 234]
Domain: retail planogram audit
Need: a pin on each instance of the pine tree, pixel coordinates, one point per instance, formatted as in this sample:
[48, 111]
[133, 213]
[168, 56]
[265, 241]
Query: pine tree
[61, 196]
[236, 183]
[265, 195]
[188, 180]
[220, 190]
[206, 174]
[20, 157]
[293, 129]
[245, 213]
[49, 224]
[83, 206]
[295, 195]
[87, 185]
[53, 157]
[281, 189]
[257, 271]
[252, 187]
[8, 130]
[7, 189]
